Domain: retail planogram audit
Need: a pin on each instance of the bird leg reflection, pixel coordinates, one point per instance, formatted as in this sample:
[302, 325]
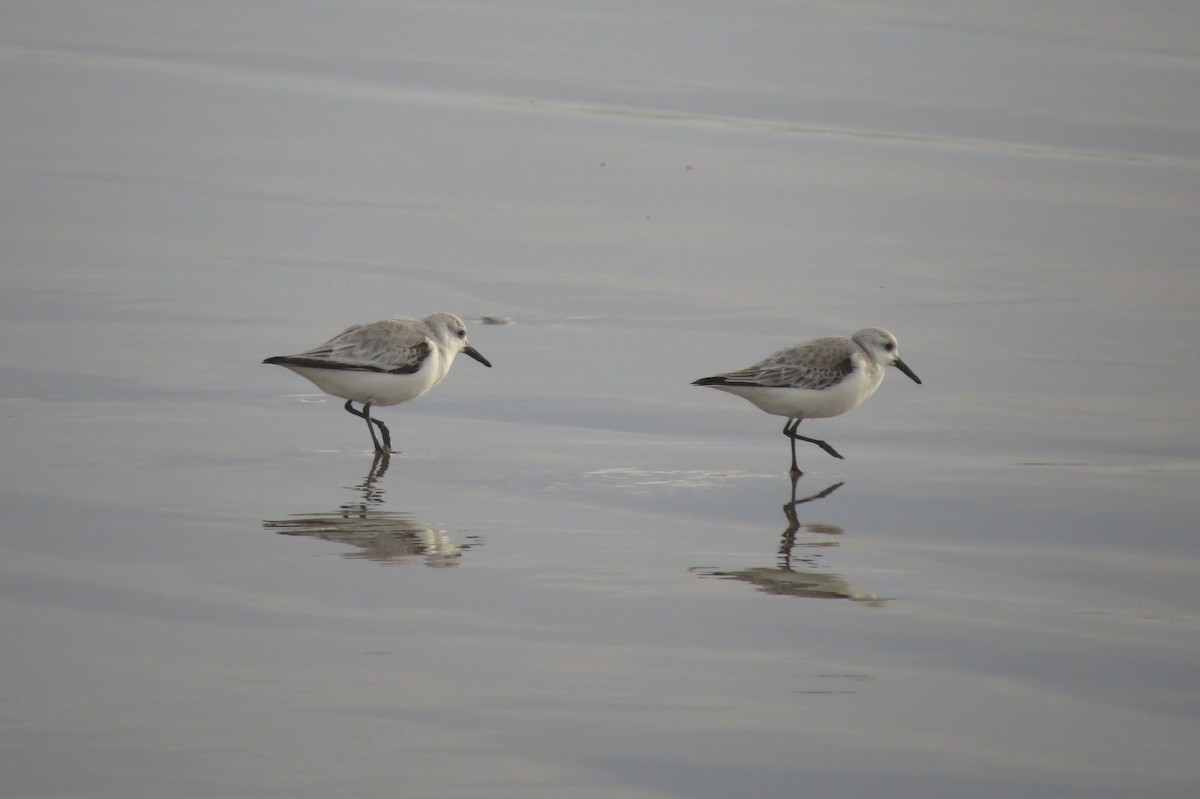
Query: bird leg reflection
[788, 541]
[371, 495]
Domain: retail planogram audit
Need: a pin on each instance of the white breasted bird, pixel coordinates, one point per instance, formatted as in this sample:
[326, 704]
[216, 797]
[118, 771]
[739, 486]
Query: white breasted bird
[383, 363]
[815, 380]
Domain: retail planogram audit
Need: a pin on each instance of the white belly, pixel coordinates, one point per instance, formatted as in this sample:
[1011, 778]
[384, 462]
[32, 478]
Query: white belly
[376, 388]
[804, 403]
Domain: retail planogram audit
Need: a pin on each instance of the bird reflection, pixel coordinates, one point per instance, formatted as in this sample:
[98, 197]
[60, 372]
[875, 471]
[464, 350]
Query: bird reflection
[383, 536]
[803, 544]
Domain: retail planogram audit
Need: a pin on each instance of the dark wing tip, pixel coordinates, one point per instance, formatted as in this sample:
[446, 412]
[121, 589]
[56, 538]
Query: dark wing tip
[717, 380]
[316, 363]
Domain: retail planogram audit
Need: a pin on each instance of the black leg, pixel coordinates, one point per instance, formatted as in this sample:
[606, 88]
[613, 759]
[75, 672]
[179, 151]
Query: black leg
[823, 445]
[365, 413]
[387, 437]
[789, 430]
[371, 426]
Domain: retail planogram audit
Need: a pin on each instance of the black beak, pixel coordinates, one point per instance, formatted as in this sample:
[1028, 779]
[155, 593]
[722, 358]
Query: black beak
[474, 353]
[903, 367]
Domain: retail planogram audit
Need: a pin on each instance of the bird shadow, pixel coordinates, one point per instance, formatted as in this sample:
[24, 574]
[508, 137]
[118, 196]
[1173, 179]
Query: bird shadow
[386, 537]
[798, 569]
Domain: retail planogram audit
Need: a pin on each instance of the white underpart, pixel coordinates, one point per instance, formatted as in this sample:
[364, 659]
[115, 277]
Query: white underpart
[377, 388]
[386, 345]
[805, 403]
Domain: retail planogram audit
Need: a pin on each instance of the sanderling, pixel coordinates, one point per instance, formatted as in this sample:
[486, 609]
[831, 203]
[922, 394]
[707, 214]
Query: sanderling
[815, 380]
[383, 363]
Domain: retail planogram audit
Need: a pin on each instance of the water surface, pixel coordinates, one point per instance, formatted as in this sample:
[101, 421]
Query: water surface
[584, 576]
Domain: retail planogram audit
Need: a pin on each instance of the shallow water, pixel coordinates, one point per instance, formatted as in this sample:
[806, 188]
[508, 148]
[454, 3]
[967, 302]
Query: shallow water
[584, 576]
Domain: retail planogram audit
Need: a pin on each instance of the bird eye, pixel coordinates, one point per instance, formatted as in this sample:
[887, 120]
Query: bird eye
[890, 346]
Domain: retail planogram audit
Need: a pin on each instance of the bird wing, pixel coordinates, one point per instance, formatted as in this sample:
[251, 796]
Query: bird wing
[390, 345]
[814, 365]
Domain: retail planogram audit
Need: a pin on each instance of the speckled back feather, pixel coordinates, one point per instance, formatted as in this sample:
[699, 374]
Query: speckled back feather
[817, 364]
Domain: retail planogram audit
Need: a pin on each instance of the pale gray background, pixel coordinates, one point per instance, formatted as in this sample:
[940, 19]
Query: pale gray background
[569, 584]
